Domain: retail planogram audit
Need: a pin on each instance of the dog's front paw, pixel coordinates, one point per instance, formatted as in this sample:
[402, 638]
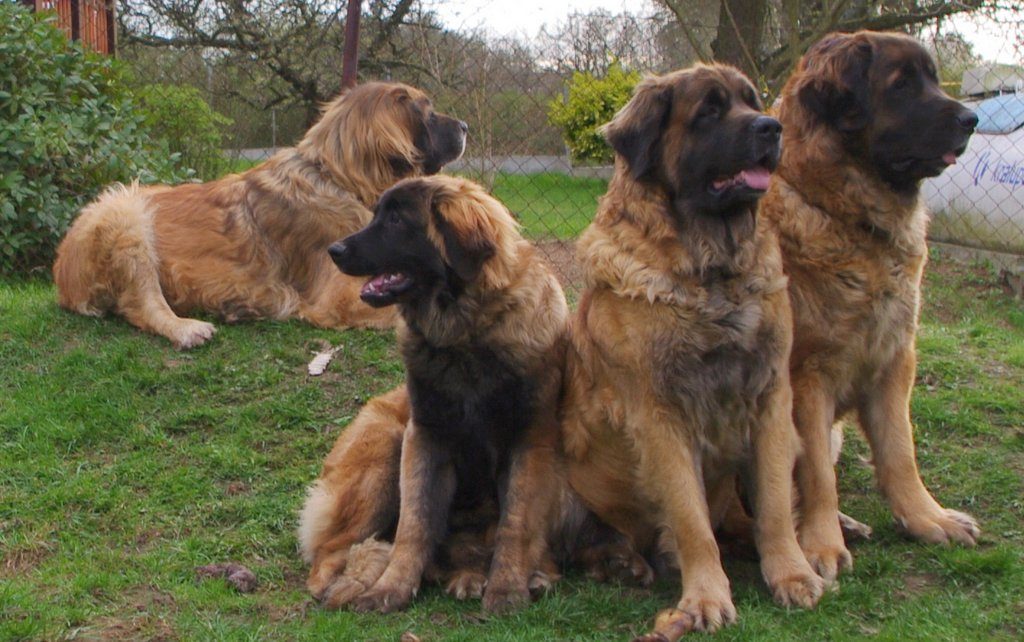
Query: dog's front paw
[826, 551]
[384, 598]
[503, 597]
[619, 563]
[707, 611]
[541, 583]
[466, 585]
[669, 626]
[943, 526]
[792, 580]
[802, 588]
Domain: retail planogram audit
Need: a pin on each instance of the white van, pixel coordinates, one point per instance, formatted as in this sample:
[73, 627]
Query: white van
[980, 200]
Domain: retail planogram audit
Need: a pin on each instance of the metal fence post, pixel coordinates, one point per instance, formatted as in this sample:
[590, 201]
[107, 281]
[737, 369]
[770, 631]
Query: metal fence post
[351, 53]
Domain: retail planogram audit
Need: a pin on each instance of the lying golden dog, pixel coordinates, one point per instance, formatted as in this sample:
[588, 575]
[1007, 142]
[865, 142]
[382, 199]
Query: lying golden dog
[864, 121]
[252, 245]
[482, 335]
[677, 378]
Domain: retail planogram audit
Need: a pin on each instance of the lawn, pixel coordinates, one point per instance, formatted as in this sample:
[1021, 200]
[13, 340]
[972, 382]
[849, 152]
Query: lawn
[125, 464]
[550, 205]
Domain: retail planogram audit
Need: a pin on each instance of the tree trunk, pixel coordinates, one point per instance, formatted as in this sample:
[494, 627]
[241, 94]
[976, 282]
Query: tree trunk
[738, 41]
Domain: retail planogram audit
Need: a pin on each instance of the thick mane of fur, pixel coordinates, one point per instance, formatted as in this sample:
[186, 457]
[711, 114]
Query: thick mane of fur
[382, 113]
[634, 247]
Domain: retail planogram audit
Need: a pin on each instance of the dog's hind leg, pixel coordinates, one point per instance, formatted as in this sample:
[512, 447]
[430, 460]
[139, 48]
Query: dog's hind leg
[142, 303]
[356, 496]
[108, 261]
[427, 488]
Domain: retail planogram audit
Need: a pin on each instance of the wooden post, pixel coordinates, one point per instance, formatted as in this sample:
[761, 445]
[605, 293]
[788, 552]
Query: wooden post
[350, 57]
[111, 29]
[76, 20]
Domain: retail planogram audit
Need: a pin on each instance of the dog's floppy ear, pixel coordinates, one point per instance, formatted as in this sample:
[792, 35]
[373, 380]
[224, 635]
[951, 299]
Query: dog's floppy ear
[634, 132]
[835, 85]
[466, 246]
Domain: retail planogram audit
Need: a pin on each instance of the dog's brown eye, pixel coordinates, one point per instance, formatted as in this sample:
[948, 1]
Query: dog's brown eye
[900, 83]
[711, 110]
[750, 98]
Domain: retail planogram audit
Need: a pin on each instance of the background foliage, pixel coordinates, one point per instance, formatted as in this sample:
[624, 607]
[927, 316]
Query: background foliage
[192, 129]
[590, 103]
[68, 127]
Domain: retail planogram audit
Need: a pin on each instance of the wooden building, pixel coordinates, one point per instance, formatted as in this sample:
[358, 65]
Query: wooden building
[90, 21]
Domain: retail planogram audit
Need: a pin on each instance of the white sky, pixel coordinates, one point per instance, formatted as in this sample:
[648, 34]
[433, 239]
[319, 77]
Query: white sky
[525, 17]
[518, 17]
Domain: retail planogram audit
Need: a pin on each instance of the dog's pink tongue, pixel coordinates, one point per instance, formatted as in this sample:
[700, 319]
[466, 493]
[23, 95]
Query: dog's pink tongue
[756, 178]
[949, 158]
[374, 285]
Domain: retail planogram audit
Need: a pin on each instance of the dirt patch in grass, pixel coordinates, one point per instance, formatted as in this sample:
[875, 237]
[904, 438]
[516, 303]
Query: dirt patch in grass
[23, 560]
[915, 584]
[959, 281]
[143, 623]
[147, 539]
[562, 257]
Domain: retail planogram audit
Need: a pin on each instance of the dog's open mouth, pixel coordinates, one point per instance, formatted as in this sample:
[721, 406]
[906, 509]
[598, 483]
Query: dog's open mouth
[754, 178]
[383, 289]
[929, 166]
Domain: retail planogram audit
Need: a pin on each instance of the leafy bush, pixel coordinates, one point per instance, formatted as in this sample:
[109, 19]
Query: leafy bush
[179, 115]
[68, 127]
[592, 102]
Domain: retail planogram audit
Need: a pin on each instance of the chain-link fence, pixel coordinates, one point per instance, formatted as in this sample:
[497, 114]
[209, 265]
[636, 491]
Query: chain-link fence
[515, 93]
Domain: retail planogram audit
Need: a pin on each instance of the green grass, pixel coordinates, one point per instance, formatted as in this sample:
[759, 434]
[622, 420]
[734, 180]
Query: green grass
[125, 464]
[550, 206]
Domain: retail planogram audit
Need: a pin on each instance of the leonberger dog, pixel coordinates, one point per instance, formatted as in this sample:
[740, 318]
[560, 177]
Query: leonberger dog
[482, 333]
[676, 377]
[252, 245]
[864, 121]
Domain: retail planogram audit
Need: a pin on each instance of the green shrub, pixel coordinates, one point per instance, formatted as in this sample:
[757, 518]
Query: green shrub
[68, 127]
[179, 115]
[592, 102]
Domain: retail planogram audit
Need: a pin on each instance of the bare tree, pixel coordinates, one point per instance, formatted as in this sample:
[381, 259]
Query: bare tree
[591, 41]
[766, 38]
[291, 47]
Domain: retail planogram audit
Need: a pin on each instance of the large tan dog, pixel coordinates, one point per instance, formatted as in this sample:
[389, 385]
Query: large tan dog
[253, 245]
[483, 338]
[677, 375]
[864, 120]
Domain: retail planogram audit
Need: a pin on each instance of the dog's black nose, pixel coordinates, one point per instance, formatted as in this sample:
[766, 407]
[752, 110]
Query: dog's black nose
[967, 119]
[337, 250]
[766, 127]
[464, 126]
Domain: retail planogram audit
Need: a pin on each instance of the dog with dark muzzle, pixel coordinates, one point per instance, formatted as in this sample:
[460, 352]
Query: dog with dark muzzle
[676, 376]
[865, 120]
[482, 334]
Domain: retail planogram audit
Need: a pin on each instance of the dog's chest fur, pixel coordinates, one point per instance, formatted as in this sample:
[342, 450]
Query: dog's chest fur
[714, 363]
[473, 403]
[855, 290]
[708, 340]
